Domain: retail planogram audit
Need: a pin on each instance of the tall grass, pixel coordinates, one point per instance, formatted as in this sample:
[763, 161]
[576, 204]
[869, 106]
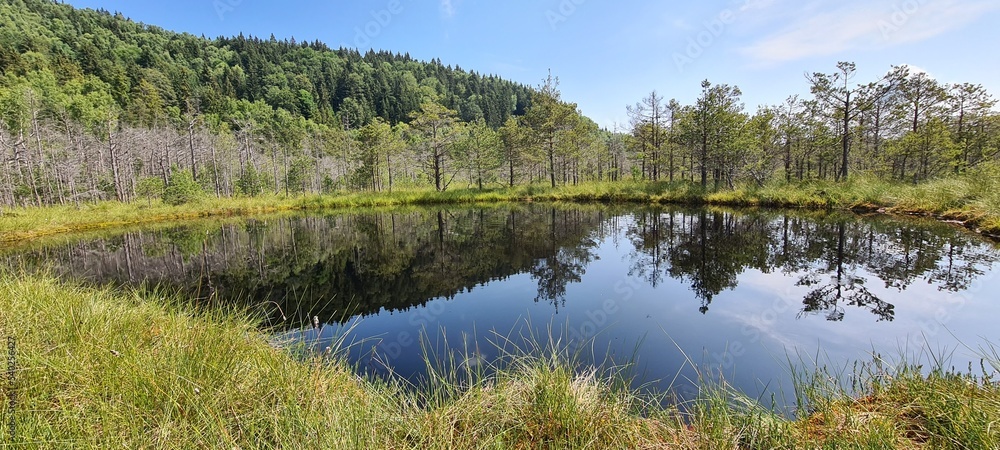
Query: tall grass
[901, 404]
[103, 368]
[109, 370]
[106, 369]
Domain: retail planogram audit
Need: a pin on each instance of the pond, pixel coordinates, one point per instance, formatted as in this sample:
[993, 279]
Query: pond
[739, 294]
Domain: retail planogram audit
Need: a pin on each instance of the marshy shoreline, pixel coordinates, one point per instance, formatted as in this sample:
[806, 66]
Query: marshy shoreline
[971, 201]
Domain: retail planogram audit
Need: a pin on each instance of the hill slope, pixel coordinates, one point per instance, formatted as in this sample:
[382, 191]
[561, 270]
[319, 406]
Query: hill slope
[174, 74]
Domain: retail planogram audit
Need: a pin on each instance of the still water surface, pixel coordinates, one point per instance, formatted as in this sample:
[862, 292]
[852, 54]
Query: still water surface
[736, 293]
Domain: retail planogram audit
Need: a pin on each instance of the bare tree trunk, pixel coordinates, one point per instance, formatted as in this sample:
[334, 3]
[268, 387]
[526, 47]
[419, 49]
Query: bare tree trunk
[846, 141]
[163, 171]
[437, 168]
[112, 155]
[388, 168]
[704, 160]
[215, 171]
[37, 132]
[6, 195]
[244, 149]
[166, 152]
[274, 166]
[285, 157]
[194, 168]
[552, 162]
[24, 156]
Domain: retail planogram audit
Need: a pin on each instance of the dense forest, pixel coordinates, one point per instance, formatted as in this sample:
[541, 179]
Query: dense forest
[94, 106]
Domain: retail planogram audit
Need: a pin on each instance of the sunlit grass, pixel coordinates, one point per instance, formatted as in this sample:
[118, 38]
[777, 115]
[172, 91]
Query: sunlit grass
[104, 368]
[973, 199]
[900, 404]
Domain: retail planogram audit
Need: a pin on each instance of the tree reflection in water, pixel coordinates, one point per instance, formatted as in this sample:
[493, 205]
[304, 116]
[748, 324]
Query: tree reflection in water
[710, 248]
[343, 265]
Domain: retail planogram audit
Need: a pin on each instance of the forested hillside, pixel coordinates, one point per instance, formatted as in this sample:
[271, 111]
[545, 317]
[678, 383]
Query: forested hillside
[94, 106]
[155, 74]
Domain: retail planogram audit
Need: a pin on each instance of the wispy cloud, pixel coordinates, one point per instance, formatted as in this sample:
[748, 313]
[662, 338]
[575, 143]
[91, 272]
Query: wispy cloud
[448, 8]
[915, 70]
[863, 25]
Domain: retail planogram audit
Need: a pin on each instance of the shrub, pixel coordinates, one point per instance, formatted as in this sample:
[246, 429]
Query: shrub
[149, 188]
[250, 183]
[181, 189]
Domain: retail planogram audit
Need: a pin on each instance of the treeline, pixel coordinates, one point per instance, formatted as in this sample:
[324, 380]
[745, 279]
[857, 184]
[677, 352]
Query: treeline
[94, 106]
[905, 126]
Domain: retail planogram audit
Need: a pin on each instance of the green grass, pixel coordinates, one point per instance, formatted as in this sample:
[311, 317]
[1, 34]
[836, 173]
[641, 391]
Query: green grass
[972, 199]
[113, 370]
[104, 368]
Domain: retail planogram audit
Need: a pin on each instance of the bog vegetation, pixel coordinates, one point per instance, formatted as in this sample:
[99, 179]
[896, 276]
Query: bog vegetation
[128, 369]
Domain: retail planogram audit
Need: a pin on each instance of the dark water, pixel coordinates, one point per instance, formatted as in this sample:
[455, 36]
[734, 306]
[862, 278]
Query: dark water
[736, 293]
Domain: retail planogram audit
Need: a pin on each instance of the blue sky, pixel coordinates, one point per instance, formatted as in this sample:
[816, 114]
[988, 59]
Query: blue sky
[611, 54]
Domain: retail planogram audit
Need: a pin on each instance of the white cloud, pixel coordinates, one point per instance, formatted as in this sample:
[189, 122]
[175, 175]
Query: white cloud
[859, 25]
[916, 70]
[448, 8]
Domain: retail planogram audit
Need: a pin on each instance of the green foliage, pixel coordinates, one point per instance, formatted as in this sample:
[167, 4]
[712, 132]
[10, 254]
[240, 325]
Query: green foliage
[551, 120]
[150, 188]
[181, 188]
[106, 186]
[299, 175]
[478, 153]
[250, 183]
[437, 127]
[152, 72]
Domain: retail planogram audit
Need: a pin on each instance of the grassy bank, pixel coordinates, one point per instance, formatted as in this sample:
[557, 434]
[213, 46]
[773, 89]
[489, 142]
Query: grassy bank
[106, 369]
[973, 200]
